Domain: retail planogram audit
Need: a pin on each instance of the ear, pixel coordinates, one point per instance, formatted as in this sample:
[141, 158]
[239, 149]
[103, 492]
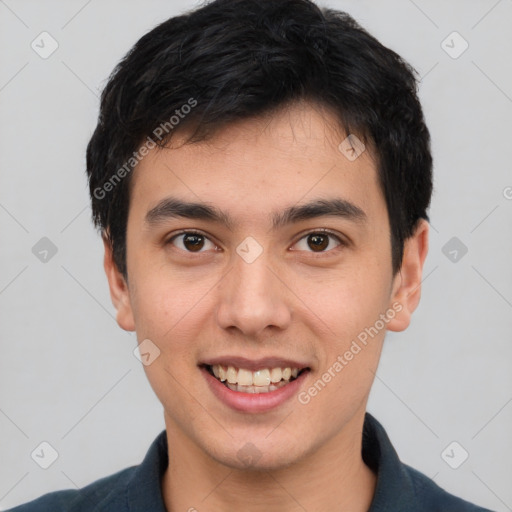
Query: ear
[407, 282]
[119, 292]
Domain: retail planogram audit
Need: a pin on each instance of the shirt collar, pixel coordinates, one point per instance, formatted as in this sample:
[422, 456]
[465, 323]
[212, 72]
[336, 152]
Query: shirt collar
[394, 489]
[143, 490]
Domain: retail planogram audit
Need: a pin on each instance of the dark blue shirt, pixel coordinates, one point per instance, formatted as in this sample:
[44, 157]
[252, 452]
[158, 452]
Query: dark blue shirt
[400, 488]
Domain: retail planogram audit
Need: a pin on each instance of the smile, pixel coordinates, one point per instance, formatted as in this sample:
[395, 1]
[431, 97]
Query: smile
[264, 380]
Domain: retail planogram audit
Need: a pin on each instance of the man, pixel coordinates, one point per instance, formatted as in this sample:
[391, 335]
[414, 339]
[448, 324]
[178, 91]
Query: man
[261, 174]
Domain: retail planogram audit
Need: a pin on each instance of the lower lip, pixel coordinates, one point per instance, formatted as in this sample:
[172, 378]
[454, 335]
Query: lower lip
[253, 402]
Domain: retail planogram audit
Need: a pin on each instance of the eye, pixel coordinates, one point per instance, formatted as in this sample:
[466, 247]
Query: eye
[319, 241]
[191, 241]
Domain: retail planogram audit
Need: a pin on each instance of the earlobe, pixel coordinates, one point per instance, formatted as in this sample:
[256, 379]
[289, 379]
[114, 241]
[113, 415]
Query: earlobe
[118, 286]
[407, 282]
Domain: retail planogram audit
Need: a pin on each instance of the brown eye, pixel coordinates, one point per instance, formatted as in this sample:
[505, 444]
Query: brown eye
[190, 241]
[193, 242]
[319, 241]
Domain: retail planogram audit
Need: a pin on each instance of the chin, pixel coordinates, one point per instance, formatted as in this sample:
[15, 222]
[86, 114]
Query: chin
[255, 453]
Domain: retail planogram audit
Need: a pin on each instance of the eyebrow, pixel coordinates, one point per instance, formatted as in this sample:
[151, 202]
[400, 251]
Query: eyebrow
[172, 207]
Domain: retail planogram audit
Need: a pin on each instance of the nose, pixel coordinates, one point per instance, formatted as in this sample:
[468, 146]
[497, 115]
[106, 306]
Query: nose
[253, 298]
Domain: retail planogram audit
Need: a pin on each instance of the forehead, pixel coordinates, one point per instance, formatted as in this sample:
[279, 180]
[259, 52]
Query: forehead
[259, 165]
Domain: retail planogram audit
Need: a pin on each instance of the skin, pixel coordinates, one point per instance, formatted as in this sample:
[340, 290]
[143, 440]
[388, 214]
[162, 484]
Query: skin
[291, 302]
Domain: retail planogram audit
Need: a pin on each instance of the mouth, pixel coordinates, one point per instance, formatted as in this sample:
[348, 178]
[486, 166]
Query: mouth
[262, 380]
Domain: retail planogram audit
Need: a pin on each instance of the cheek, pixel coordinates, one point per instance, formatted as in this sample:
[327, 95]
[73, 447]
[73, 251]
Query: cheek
[171, 314]
[166, 301]
[347, 301]
[347, 309]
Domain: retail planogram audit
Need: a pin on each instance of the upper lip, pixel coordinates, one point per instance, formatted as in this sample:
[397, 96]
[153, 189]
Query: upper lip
[254, 364]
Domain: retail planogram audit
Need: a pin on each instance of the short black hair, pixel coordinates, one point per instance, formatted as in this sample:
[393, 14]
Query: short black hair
[236, 59]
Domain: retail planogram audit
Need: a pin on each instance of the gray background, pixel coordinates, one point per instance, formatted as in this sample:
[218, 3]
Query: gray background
[68, 375]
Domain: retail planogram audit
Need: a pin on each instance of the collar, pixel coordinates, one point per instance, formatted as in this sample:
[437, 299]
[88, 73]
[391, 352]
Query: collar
[395, 489]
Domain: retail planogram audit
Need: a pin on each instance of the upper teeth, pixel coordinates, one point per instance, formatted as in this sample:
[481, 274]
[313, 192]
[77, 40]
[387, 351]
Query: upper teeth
[263, 377]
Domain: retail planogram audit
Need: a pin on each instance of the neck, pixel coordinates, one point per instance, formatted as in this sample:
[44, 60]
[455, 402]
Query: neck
[334, 477]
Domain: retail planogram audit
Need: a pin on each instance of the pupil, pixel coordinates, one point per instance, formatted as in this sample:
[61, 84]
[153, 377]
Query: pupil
[319, 242]
[196, 242]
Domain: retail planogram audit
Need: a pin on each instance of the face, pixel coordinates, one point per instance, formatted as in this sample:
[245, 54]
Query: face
[253, 282]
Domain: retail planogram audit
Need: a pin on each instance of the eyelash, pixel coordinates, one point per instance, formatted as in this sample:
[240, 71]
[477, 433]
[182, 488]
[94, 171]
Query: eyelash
[341, 243]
